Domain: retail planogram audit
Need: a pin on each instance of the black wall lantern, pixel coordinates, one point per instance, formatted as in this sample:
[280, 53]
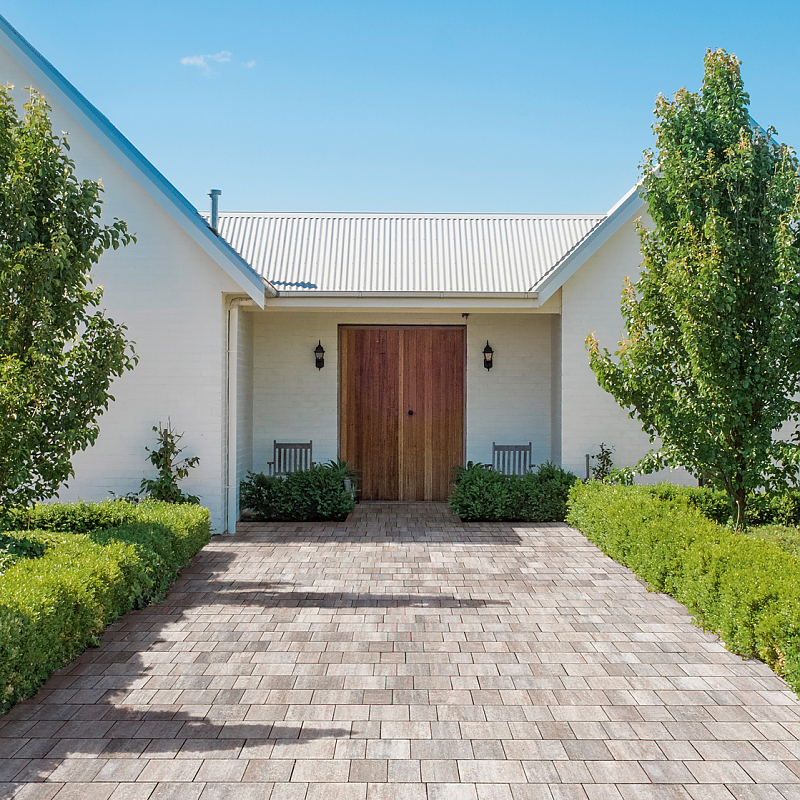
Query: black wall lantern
[487, 355]
[319, 356]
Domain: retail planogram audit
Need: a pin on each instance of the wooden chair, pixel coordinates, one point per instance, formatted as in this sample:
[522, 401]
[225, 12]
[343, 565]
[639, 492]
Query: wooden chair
[289, 457]
[511, 459]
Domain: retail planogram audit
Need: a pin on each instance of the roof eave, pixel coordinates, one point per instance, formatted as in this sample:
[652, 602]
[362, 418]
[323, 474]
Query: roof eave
[519, 302]
[56, 86]
[630, 204]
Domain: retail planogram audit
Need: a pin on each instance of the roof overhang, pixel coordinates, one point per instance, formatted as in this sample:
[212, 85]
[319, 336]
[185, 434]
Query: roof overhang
[495, 302]
[631, 204]
[56, 87]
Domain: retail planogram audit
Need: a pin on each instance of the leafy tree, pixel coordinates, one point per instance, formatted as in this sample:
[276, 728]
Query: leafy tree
[58, 354]
[710, 362]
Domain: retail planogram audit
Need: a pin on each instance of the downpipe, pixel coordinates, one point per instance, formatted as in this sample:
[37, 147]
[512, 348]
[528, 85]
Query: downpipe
[232, 350]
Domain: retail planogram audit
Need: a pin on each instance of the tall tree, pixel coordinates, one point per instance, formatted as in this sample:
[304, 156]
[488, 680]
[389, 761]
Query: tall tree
[58, 353]
[710, 363]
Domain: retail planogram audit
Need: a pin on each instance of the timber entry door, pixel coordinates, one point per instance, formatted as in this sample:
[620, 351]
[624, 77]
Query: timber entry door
[402, 408]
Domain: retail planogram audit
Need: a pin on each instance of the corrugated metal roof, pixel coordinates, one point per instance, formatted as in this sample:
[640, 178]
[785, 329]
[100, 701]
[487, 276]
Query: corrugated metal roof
[481, 253]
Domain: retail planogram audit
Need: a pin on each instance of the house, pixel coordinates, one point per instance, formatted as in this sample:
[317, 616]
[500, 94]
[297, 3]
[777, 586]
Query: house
[226, 320]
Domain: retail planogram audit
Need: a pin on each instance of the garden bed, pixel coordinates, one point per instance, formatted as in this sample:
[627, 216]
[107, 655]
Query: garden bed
[746, 588]
[484, 495]
[68, 570]
[315, 494]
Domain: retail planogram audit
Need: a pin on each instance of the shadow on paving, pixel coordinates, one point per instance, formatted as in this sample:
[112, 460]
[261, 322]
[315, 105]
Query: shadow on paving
[268, 595]
[99, 706]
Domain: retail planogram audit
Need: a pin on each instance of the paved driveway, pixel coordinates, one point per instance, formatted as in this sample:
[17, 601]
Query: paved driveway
[404, 655]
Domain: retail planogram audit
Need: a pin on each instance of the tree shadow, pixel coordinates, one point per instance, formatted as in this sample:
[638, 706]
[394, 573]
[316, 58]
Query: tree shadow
[270, 594]
[146, 691]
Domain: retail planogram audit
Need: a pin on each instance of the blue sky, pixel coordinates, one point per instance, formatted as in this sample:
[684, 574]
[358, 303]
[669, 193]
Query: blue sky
[468, 106]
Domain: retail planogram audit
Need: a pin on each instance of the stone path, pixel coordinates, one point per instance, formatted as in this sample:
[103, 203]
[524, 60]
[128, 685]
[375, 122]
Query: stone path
[405, 656]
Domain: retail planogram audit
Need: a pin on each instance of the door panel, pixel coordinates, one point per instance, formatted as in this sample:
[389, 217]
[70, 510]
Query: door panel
[370, 409]
[385, 374]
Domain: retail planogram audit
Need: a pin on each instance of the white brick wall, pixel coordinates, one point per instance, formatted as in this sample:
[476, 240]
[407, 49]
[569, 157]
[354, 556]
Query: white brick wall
[169, 294]
[511, 403]
[293, 401]
[590, 302]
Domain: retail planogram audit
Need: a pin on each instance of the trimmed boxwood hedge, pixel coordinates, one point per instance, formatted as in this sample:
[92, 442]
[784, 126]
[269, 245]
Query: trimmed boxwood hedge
[59, 589]
[762, 508]
[746, 590]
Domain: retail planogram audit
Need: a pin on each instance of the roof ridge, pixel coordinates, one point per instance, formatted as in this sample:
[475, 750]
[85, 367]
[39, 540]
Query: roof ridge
[414, 214]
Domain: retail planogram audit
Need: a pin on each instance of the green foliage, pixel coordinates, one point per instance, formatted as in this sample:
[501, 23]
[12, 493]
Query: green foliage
[787, 537]
[54, 605]
[15, 547]
[263, 495]
[763, 508]
[544, 494]
[710, 364]
[711, 503]
[170, 468]
[316, 493]
[604, 464]
[481, 494]
[20, 546]
[779, 508]
[77, 517]
[745, 589]
[58, 353]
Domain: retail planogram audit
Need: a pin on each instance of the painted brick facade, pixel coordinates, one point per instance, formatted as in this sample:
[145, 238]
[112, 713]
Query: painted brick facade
[293, 401]
[169, 294]
[590, 302]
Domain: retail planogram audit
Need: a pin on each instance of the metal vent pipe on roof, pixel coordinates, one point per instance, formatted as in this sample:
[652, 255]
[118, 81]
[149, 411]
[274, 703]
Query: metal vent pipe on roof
[214, 195]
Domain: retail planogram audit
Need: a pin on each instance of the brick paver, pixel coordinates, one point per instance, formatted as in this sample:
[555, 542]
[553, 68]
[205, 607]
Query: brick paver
[404, 655]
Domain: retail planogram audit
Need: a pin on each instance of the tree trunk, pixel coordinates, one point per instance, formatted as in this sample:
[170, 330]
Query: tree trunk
[740, 508]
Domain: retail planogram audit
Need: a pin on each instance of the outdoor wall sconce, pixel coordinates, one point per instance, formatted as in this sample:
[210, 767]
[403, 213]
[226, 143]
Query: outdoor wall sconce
[319, 356]
[487, 355]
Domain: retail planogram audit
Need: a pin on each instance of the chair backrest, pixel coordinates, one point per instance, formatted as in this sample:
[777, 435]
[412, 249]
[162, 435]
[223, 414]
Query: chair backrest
[291, 456]
[511, 459]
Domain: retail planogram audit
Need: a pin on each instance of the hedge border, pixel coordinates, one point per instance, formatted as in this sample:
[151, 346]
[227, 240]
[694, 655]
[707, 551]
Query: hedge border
[745, 590]
[54, 606]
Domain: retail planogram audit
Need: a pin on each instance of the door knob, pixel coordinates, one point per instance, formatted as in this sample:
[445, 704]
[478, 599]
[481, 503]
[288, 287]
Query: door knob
[410, 413]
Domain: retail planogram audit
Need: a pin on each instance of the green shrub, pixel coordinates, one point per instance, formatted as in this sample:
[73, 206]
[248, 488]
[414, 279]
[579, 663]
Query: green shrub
[264, 495]
[483, 495]
[711, 503]
[774, 508]
[312, 494]
[762, 508]
[68, 517]
[171, 469]
[745, 589]
[14, 547]
[54, 605]
[544, 494]
[188, 526]
[787, 537]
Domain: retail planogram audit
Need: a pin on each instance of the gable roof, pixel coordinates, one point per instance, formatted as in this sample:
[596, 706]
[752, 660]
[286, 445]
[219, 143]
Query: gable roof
[406, 253]
[55, 86]
[630, 204]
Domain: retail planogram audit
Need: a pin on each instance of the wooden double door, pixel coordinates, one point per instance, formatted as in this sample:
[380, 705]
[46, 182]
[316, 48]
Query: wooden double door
[402, 408]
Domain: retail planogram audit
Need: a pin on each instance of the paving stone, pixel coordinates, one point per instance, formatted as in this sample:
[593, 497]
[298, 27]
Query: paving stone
[403, 655]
